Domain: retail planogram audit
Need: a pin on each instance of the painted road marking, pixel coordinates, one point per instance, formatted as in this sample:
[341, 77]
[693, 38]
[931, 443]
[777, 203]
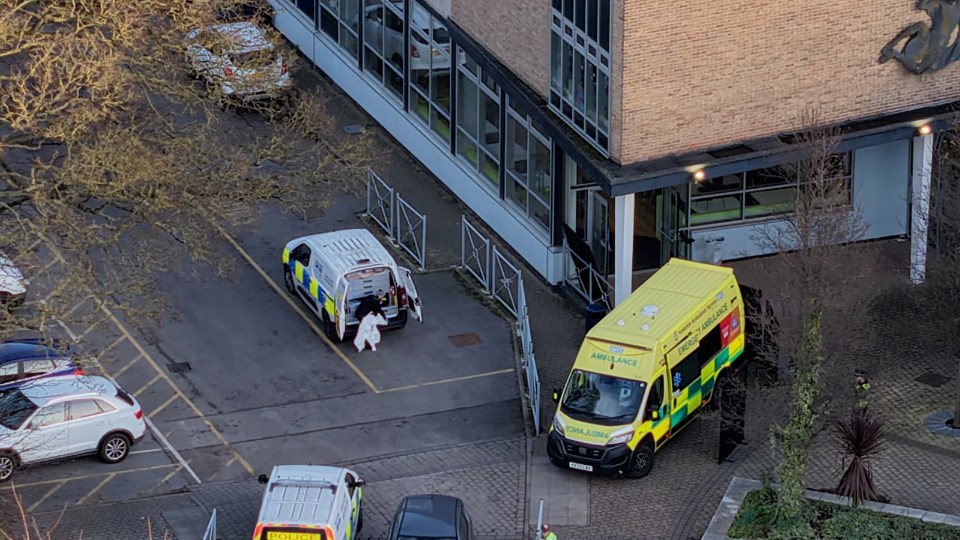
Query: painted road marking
[110, 347]
[88, 330]
[153, 428]
[46, 496]
[128, 365]
[193, 407]
[196, 410]
[76, 306]
[163, 405]
[304, 315]
[95, 489]
[167, 478]
[86, 476]
[147, 451]
[140, 390]
[450, 380]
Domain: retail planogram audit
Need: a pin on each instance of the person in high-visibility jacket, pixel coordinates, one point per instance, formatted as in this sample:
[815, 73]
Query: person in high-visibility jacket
[546, 533]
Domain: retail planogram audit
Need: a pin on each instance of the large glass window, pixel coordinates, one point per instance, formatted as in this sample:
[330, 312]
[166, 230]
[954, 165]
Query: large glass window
[383, 43]
[580, 67]
[529, 167]
[308, 8]
[760, 192]
[478, 118]
[339, 19]
[430, 70]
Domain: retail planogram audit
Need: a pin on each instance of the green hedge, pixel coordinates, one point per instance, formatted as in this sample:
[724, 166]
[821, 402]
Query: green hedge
[825, 521]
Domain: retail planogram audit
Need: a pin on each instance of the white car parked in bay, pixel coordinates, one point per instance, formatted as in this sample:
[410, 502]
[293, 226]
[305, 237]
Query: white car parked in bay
[62, 417]
[238, 59]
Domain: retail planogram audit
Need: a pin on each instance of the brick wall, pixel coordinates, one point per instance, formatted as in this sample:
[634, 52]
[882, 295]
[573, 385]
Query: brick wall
[517, 32]
[698, 74]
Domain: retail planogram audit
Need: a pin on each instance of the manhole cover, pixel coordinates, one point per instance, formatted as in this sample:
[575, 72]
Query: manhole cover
[178, 367]
[464, 340]
[939, 423]
[353, 129]
[932, 378]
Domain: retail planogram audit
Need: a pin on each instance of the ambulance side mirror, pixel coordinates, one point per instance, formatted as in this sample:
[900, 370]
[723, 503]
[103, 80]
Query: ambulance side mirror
[357, 483]
[262, 479]
[556, 396]
[654, 415]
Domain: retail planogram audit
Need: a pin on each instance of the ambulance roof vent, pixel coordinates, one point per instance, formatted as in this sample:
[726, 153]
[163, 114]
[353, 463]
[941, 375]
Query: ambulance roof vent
[645, 327]
[650, 310]
[621, 322]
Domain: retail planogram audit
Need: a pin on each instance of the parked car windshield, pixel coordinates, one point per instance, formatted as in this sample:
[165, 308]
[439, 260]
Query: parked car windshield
[15, 408]
[602, 399]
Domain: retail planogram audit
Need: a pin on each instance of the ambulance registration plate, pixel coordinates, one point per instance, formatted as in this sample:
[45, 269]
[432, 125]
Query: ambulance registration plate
[581, 467]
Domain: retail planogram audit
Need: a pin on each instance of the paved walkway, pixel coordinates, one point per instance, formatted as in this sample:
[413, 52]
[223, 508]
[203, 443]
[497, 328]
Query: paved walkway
[680, 495]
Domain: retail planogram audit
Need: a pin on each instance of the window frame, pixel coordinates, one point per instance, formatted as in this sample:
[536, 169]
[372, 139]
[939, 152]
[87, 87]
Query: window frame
[742, 192]
[571, 60]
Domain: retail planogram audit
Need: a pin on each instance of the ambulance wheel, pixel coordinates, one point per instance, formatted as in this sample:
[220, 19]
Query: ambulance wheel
[360, 521]
[401, 319]
[328, 329]
[288, 281]
[641, 462]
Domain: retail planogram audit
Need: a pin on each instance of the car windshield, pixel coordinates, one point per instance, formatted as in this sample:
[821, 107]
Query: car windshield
[603, 399]
[15, 408]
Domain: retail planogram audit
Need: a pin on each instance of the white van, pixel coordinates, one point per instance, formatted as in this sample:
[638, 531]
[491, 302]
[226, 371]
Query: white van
[310, 502]
[333, 272]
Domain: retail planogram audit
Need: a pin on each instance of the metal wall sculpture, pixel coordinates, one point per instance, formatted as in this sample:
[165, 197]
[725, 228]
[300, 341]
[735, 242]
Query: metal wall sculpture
[925, 49]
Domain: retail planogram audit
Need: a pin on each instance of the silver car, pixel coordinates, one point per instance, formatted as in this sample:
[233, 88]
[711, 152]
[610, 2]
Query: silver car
[62, 417]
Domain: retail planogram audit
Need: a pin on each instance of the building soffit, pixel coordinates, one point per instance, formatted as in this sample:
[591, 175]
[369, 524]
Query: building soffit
[676, 169]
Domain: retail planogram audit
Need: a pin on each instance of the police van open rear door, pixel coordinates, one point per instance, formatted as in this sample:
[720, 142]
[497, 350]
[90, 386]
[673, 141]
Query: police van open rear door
[341, 307]
[413, 299]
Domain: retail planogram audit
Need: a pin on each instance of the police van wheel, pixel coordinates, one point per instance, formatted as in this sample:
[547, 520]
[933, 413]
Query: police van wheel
[328, 329]
[641, 462]
[288, 281]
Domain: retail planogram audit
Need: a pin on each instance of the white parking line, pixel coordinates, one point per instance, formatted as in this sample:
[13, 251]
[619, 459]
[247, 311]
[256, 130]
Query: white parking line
[147, 451]
[153, 428]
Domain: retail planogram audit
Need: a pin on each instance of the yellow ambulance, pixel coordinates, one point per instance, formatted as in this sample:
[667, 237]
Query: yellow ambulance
[645, 369]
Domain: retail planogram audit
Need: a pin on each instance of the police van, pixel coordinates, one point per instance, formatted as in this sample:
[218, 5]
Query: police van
[334, 272]
[310, 502]
[647, 367]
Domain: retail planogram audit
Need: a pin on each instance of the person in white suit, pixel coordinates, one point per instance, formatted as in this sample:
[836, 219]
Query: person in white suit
[367, 332]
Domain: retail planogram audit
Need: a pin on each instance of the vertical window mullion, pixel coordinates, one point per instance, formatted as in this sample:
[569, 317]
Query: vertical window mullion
[454, 97]
[406, 53]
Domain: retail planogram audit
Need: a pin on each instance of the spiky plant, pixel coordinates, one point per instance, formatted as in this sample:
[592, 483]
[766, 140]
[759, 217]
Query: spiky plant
[861, 439]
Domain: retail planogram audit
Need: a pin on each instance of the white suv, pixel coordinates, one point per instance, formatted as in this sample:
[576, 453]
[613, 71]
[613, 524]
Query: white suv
[238, 59]
[61, 417]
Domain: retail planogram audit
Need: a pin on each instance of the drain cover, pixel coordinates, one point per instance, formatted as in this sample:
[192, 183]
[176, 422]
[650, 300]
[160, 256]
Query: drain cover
[353, 129]
[464, 340]
[178, 367]
[932, 378]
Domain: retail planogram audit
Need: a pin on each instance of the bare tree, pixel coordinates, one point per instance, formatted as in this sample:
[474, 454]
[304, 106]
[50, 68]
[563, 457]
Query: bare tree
[943, 284]
[114, 162]
[817, 260]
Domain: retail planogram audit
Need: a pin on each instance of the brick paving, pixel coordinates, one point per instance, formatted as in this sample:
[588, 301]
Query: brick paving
[679, 497]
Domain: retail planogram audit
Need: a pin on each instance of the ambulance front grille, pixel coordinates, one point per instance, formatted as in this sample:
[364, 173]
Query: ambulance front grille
[587, 452]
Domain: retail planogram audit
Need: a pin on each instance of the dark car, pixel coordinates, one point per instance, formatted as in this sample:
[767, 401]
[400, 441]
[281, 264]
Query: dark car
[23, 360]
[433, 517]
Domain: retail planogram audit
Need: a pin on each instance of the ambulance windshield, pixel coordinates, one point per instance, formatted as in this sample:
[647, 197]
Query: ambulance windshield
[602, 399]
